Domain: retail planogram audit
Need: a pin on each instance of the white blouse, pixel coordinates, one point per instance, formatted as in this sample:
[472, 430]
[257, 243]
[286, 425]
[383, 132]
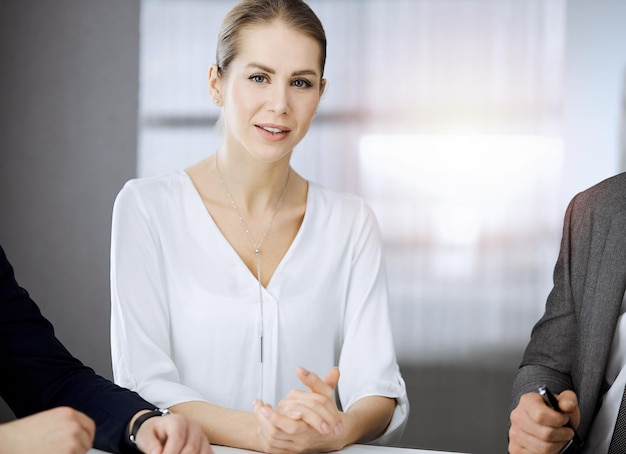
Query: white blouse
[185, 315]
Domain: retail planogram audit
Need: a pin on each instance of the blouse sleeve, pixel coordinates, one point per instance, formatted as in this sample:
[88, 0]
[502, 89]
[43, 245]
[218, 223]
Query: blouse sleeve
[140, 320]
[367, 362]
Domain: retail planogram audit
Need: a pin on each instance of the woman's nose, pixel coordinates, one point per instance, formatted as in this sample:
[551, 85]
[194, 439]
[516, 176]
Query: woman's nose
[278, 101]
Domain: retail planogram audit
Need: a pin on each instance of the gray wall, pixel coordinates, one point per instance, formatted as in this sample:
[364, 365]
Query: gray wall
[68, 137]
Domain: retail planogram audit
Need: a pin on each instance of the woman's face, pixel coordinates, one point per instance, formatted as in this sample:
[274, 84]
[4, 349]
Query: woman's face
[271, 91]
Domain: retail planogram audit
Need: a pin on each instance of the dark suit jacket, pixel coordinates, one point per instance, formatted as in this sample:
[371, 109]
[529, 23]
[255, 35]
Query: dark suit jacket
[38, 373]
[570, 344]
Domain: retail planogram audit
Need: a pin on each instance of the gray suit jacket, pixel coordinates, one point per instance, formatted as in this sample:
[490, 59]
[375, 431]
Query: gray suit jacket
[570, 344]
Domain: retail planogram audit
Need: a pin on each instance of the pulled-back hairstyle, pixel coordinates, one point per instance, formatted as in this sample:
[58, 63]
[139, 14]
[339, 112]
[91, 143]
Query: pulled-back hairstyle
[296, 14]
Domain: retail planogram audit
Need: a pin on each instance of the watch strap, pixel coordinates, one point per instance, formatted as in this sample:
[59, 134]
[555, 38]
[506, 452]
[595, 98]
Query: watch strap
[142, 418]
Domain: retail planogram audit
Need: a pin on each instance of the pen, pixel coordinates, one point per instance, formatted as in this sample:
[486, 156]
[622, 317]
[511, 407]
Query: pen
[551, 401]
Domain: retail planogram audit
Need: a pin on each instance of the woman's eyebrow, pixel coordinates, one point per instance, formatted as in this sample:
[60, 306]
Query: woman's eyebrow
[261, 67]
[304, 72]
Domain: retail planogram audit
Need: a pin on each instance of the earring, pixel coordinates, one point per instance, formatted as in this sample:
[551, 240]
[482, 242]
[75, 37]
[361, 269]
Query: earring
[216, 101]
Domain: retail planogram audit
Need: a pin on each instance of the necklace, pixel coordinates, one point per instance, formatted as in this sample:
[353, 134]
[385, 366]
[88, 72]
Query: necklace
[256, 247]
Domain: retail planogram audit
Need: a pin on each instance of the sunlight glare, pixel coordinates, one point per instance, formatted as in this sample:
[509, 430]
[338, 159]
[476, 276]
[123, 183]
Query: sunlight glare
[461, 182]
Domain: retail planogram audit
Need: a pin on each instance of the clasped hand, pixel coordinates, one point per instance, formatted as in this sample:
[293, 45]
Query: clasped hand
[304, 420]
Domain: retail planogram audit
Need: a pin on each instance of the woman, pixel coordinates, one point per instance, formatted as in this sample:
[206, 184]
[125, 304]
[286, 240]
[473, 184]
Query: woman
[230, 275]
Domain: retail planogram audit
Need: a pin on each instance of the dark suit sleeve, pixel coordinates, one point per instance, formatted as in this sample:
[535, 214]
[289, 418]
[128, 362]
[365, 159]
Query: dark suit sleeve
[38, 373]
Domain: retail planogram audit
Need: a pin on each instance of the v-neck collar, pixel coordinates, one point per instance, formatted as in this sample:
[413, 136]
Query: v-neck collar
[225, 244]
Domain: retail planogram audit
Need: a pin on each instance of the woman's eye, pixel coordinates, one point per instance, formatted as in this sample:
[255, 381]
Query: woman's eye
[302, 83]
[259, 78]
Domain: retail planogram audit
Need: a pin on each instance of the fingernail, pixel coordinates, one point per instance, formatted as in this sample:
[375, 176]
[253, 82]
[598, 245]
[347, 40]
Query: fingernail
[304, 371]
[296, 414]
[325, 428]
[265, 413]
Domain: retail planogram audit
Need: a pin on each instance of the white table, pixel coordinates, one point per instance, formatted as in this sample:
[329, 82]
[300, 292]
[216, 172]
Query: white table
[354, 449]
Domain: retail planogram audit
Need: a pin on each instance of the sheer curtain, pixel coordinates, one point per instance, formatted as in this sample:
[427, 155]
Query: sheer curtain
[444, 114]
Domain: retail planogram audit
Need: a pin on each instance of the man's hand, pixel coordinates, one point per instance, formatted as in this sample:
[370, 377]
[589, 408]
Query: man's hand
[537, 428]
[61, 430]
[171, 434]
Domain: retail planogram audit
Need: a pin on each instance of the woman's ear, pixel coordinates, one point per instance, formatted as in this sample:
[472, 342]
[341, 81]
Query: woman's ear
[214, 85]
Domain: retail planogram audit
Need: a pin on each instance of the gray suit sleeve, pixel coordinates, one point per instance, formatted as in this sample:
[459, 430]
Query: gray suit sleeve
[548, 356]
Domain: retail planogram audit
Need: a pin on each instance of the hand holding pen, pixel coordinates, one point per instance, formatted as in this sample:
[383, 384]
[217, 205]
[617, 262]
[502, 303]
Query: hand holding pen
[535, 427]
[553, 403]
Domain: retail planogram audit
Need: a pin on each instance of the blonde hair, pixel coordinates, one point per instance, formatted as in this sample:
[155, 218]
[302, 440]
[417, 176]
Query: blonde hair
[295, 14]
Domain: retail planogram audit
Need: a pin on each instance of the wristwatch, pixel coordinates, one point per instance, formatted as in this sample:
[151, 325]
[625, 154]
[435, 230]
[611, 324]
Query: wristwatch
[142, 418]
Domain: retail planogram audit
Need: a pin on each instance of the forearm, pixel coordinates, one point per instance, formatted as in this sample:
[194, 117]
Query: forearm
[222, 426]
[367, 419]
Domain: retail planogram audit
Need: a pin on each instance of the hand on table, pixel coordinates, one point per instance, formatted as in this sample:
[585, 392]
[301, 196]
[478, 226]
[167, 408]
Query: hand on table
[316, 407]
[304, 420]
[61, 430]
[537, 428]
[172, 434]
